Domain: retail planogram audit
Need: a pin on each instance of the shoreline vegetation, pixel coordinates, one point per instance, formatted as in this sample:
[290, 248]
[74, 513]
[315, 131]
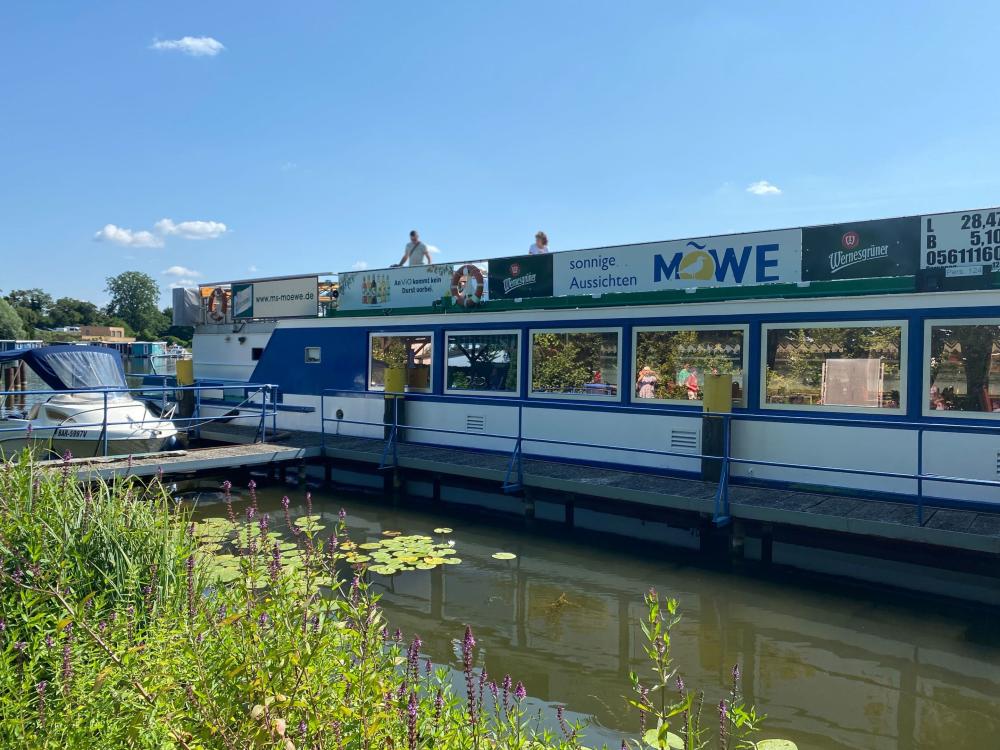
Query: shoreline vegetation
[125, 624]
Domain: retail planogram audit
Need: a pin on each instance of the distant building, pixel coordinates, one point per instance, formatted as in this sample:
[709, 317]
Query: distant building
[105, 334]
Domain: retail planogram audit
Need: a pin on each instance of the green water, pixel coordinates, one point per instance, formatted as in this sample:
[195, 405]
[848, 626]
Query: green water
[833, 667]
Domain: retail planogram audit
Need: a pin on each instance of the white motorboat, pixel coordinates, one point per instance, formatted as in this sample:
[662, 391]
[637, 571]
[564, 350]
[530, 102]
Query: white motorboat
[89, 414]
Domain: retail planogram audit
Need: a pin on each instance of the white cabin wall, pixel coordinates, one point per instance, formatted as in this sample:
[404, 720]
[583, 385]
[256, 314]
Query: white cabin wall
[218, 351]
[620, 429]
[970, 456]
[866, 448]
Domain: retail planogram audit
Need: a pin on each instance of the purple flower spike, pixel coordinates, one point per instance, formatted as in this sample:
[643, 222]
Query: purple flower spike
[519, 692]
[411, 721]
[285, 502]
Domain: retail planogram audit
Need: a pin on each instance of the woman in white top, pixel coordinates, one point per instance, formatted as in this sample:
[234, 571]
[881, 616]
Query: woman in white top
[541, 245]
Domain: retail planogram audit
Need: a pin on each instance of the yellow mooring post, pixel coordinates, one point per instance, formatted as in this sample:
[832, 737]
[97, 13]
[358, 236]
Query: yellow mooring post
[718, 394]
[185, 377]
[717, 398]
[185, 372]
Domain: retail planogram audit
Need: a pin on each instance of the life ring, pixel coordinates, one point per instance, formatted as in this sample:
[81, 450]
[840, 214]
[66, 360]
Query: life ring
[218, 304]
[462, 299]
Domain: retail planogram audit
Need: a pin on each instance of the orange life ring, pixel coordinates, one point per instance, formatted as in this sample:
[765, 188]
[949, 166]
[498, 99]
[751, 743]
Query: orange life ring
[218, 299]
[461, 298]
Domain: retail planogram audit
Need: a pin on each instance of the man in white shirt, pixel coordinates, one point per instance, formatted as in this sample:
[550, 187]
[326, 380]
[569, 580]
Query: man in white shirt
[416, 252]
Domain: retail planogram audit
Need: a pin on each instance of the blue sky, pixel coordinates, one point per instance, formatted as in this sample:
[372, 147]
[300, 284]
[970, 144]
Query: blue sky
[320, 133]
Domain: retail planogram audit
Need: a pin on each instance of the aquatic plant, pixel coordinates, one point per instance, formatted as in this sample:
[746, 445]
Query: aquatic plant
[675, 710]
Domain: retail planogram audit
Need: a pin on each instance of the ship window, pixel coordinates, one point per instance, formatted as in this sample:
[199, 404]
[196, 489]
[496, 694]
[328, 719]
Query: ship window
[835, 366]
[313, 355]
[670, 364]
[485, 362]
[962, 368]
[576, 364]
[410, 352]
[256, 353]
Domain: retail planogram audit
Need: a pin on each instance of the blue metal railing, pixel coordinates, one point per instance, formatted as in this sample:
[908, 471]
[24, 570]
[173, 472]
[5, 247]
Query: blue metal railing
[721, 509]
[259, 401]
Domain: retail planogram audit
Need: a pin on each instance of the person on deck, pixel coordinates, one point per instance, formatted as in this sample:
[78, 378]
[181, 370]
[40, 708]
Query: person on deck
[415, 253]
[541, 246]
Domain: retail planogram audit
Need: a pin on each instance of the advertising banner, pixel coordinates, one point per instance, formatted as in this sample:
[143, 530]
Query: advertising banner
[861, 250]
[410, 286]
[521, 276]
[282, 298]
[966, 239]
[728, 261]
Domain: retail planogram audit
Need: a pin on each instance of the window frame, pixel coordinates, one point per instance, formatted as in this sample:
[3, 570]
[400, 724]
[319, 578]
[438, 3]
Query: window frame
[574, 396]
[305, 354]
[636, 330]
[925, 370]
[904, 362]
[399, 334]
[516, 393]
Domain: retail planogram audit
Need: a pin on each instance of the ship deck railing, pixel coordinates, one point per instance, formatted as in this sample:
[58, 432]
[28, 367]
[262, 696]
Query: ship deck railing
[514, 477]
[257, 405]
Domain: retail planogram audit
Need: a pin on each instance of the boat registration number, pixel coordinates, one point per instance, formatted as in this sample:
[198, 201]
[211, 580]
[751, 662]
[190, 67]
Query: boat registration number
[71, 433]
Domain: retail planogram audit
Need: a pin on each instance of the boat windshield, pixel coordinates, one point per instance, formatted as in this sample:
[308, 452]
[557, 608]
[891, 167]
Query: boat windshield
[70, 368]
[86, 369]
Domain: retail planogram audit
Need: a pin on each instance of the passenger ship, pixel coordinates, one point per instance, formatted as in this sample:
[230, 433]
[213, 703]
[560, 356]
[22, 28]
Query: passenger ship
[863, 356]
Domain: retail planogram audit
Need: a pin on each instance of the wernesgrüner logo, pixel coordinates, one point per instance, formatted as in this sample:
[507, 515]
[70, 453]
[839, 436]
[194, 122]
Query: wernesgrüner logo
[515, 280]
[850, 256]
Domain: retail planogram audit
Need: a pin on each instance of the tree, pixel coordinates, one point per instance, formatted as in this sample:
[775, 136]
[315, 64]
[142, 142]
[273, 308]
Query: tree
[11, 326]
[34, 299]
[134, 297]
[67, 311]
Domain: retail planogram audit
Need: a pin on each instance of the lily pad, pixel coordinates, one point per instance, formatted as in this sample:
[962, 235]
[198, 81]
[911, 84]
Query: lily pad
[442, 530]
[425, 566]
[384, 570]
[452, 560]
[504, 555]
[776, 745]
[391, 533]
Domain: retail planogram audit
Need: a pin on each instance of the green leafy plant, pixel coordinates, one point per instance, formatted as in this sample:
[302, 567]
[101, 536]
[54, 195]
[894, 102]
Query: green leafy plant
[124, 624]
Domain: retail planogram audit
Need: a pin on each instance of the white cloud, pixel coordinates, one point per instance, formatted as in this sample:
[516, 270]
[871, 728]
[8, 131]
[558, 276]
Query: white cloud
[763, 187]
[186, 230]
[190, 230]
[195, 46]
[252, 269]
[128, 238]
[183, 283]
[180, 271]
[433, 250]
[360, 265]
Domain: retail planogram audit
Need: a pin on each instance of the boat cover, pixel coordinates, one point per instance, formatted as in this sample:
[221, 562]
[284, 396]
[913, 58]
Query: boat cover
[65, 368]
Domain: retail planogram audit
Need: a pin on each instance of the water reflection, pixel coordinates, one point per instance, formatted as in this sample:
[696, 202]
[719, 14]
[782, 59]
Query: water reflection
[833, 669]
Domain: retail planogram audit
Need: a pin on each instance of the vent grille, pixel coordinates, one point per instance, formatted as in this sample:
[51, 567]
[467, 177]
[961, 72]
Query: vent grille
[687, 440]
[477, 423]
[998, 462]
